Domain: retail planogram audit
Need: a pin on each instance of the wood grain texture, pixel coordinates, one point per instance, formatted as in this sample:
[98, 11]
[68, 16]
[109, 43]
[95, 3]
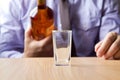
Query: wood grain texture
[44, 69]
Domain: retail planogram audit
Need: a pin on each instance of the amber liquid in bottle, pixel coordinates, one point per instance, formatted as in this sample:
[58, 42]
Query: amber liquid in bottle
[42, 22]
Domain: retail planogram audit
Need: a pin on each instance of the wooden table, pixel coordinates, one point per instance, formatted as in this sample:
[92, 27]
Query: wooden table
[44, 69]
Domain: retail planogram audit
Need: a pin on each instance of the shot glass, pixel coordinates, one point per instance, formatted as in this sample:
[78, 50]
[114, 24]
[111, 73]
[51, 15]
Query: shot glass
[62, 47]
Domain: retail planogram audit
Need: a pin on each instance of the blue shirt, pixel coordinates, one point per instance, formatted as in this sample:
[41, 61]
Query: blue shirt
[90, 21]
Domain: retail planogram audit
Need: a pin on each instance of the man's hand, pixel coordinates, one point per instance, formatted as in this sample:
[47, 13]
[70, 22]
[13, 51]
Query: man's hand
[109, 47]
[33, 48]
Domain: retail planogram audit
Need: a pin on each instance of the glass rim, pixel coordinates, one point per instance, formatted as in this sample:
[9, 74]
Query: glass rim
[61, 30]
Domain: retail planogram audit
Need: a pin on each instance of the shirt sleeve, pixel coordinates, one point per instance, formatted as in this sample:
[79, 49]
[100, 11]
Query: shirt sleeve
[14, 19]
[110, 17]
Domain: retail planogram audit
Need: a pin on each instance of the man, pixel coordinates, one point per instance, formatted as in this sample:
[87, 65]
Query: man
[90, 20]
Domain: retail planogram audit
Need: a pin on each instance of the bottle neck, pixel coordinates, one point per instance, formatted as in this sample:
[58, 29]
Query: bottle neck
[42, 4]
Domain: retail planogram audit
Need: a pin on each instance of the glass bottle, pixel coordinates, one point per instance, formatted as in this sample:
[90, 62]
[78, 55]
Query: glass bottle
[43, 21]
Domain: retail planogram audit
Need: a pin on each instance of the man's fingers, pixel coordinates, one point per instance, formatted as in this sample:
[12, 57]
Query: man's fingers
[115, 47]
[45, 46]
[97, 46]
[107, 42]
[117, 56]
[28, 34]
[45, 42]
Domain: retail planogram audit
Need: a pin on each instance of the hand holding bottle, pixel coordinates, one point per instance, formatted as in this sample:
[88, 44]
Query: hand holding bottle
[34, 48]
